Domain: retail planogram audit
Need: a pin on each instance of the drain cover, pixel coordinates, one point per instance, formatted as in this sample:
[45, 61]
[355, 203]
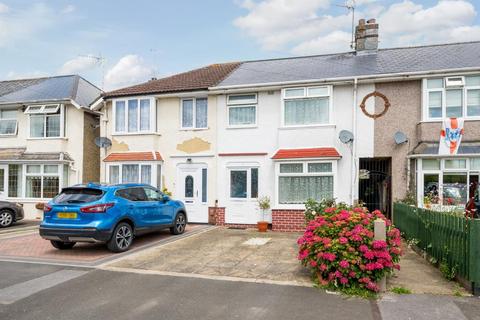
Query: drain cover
[256, 241]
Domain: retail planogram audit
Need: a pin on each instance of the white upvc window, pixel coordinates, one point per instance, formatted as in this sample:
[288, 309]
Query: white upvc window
[8, 122]
[46, 121]
[307, 106]
[299, 181]
[194, 113]
[242, 110]
[243, 183]
[451, 97]
[134, 115]
[42, 181]
[135, 172]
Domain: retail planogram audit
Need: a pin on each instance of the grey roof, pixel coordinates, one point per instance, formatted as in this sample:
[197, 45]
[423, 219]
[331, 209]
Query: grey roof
[341, 65]
[47, 89]
[431, 148]
[15, 154]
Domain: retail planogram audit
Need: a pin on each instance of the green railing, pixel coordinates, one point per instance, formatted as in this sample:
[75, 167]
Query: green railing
[443, 236]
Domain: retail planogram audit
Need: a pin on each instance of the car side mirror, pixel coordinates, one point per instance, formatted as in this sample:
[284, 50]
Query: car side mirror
[165, 198]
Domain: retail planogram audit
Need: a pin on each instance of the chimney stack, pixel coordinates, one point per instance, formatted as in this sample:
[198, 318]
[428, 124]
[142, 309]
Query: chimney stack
[366, 36]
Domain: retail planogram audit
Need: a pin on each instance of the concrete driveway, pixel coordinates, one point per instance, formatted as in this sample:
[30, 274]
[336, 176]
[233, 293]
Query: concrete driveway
[222, 252]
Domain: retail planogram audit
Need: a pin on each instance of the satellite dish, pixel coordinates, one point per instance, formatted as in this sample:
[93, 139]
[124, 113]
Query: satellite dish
[103, 142]
[345, 136]
[400, 137]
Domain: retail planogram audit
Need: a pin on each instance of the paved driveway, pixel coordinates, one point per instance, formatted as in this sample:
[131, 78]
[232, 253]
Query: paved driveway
[227, 253]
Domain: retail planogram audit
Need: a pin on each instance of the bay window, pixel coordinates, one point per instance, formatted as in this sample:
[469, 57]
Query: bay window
[194, 113]
[46, 121]
[300, 181]
[134, 173]
[307, 106]
[242, 110]
[452, 97]
[134, 115]
[42, 181]
[8, 122]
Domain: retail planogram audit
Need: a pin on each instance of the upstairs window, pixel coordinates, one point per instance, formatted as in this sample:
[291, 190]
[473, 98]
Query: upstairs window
[306, 106]
[452, 97]
[8, 122]
[194, 113]
[242, 110]
[45, 121]
[134, 115]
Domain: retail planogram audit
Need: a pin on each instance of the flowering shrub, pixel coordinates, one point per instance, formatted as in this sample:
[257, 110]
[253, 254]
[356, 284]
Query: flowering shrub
[340, 249]
[313, 208]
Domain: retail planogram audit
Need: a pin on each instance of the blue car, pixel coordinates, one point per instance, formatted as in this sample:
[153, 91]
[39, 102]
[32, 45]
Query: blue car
[112, 214]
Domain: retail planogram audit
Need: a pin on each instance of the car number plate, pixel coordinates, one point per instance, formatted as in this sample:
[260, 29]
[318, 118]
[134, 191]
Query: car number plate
[67, 215]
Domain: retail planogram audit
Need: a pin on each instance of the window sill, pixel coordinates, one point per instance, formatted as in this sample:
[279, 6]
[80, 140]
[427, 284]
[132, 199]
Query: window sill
[441, 120]
[194, 129]
[48, 138]
[315, 126]
[117, 134]
[242, 127]
[8, 135]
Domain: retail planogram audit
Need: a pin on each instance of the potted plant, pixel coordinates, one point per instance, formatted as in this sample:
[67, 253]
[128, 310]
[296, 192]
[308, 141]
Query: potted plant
[264, 205]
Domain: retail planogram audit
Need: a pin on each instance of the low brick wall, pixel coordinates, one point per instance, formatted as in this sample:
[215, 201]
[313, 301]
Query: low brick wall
[288, 220]
[216, 216]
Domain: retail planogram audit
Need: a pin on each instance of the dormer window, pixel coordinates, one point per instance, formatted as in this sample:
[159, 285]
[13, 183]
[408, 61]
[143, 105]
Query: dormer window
[8, 122]
[46, 121]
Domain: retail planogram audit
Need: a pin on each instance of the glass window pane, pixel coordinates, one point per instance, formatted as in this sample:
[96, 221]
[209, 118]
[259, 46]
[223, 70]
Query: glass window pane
[296, 190]
[15, 180]
[34, 186]
[146, 174]
[435, 83]
[34, 168]
[454, 103]
[8, 126]
[187, 113]
[289, 93]
[145, 115]
[254, 183]
[238, 184]
[49, 168]
[318, 91]
[159, 177]
[430, 164]
[472, 81]
[320, 167]
[66, 170]
[114, 174]
[430, 189]
[473, 103]
[455, 189]
[201, 115]
[306, 111]
[475, 164]
[37, 129]
[241, 99]
[241, 115]
[3, 176]
[130, 173]
[132, 115]
[455, 163]
[53, 126]
[8, 114]
[189, 186]
[435, 104]
[291, 168]
[120, 116]
[50, 186]
[204, 185]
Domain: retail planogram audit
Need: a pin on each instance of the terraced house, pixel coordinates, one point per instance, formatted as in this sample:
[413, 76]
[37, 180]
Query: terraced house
[47, 133]
[356, 126]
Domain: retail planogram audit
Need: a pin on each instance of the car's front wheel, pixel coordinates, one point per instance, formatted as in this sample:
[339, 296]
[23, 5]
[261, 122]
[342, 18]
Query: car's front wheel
[179, 224]
[121, 239]
[6, 218]
[60, 245]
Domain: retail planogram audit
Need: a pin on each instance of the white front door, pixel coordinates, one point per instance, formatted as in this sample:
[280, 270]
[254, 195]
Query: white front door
[3, 181]
[192, 190]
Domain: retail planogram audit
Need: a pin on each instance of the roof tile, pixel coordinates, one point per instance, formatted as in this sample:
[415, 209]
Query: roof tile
[134, 156]
[306, 153]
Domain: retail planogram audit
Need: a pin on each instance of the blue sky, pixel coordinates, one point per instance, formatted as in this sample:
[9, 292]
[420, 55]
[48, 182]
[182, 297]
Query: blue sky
[140, 39]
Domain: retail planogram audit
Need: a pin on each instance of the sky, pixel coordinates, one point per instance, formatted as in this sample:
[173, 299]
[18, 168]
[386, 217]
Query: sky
[117, 43]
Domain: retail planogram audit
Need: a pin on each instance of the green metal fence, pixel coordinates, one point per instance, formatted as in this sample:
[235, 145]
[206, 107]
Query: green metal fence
[443, 236]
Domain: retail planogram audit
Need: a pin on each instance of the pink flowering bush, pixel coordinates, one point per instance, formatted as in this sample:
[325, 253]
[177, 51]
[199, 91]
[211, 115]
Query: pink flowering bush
[339, 247]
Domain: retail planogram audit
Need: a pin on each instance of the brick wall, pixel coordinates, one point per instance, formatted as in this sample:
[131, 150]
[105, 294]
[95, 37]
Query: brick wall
[288, 220]
[91, 153]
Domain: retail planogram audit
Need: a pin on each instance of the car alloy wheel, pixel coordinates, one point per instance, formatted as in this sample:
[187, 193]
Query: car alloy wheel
[123, 237]
[6, 218]
[180, 223]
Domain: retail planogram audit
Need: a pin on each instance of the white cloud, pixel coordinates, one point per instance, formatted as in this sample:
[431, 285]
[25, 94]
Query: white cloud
[305, 27]
[78, 64]
[13, 75]
[69, 9]
[129, 70]
[3, 8]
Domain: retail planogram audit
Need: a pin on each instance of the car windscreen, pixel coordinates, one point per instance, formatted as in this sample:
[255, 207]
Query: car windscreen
[79, 195]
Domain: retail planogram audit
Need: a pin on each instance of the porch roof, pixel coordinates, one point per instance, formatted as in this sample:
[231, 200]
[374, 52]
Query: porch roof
[20, 154]
[431, 148]
[324, 152]
[134, 156]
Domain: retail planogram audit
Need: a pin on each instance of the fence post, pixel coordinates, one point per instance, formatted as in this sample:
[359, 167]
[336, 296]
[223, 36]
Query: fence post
[474, 255]
[380, 231]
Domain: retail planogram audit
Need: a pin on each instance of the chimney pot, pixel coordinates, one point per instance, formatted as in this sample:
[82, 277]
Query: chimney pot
[366, 36]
